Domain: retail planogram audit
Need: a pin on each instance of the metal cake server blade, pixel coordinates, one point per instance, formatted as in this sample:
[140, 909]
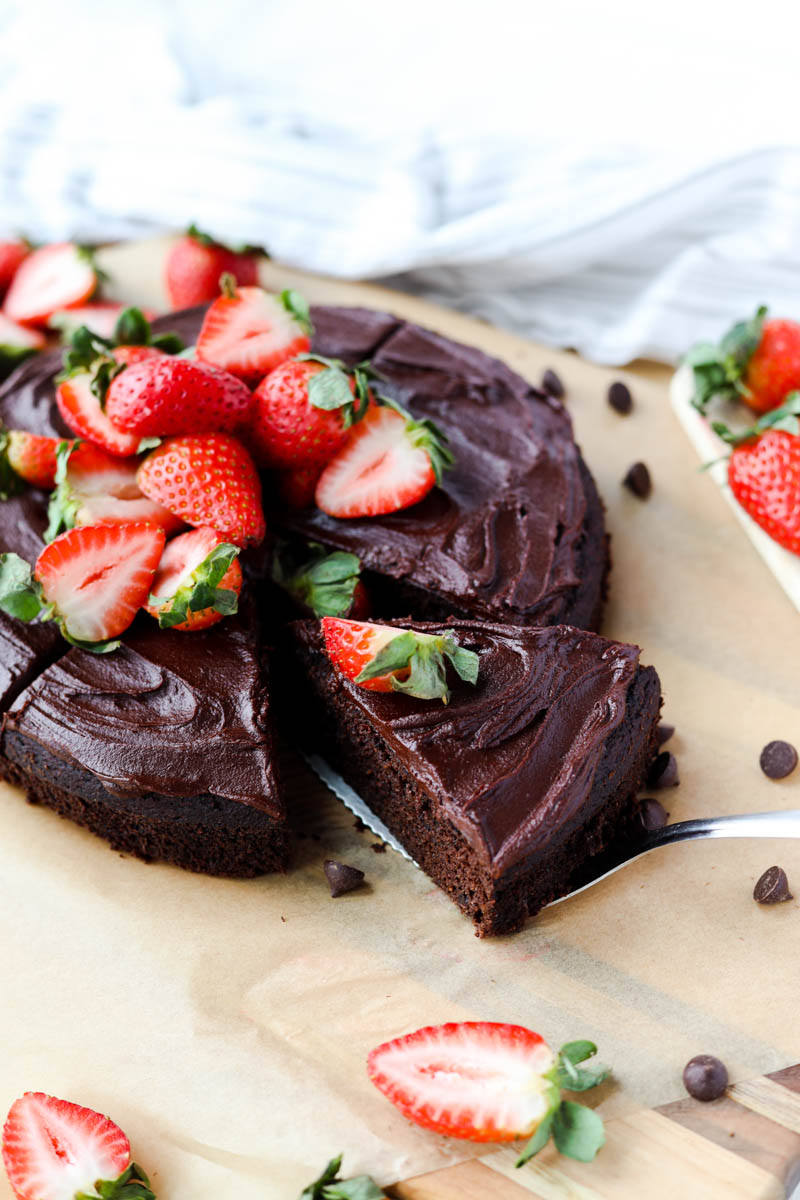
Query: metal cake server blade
[784, 824]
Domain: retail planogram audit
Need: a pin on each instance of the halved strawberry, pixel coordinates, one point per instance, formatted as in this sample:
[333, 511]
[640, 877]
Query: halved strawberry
[30, 456]
[51, 278]
[388, 462]
[197, 583]
[303, 410]
[11, 255]
[55, 1150]
[491, 1082]
[209, 479]
[321, 583]
[80, 406]
[91, 580]
[172, 395]
[384, 658]
[16, 344]
[249, 332]
[96, 488]
[98, 318]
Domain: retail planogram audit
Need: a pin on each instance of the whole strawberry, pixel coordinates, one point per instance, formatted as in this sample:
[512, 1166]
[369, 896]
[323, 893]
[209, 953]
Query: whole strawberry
[764, 471]
[26, 456]
[207, 479]
[758, 361]
[195, 263]
[302, 411]
[159, 396]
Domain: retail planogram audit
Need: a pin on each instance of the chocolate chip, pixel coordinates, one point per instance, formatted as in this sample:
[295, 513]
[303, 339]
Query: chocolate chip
[341, 877]
[653, 814]
[772, 887]
[664, 732]
[378, 847]
[620, 398]
[638, 481]
[664, 771]
[551, 383]
[705, 1077]
[778, 759]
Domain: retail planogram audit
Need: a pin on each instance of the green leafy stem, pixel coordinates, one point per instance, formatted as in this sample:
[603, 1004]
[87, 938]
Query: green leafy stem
[576, 1130]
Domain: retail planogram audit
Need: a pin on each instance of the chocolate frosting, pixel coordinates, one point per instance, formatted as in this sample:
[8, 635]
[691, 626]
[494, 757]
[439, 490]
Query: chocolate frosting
[502, 534]
[168, 713]
[511, 761]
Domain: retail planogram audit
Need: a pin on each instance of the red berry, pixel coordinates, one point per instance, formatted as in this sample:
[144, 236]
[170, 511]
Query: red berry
[32, 457]
[249, 332]
[51, 278]
[764, 476]
[352, 645]
[774, 367]
[11, 256]
[187, 570]
[82, 412]
[194, 266]
[163, 395]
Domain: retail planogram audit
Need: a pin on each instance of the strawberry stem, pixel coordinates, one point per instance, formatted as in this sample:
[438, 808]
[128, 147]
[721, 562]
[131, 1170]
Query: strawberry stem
[719, 370]
[201, 591]
[576, 1130]
[423, 656]
[323, 582]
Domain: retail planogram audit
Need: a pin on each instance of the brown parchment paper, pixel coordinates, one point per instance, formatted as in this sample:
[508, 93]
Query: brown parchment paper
[225, 1024]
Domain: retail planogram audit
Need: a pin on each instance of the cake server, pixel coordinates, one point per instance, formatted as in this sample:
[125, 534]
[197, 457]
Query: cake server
[784, 824]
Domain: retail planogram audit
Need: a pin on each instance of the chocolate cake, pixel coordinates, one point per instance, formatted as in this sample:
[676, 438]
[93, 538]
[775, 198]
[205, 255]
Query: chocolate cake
[163, 747]
[515, 532]
[506, 793]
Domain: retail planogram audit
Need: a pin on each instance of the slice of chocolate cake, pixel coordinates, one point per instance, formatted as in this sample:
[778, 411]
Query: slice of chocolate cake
[505, 793]
[163, 747]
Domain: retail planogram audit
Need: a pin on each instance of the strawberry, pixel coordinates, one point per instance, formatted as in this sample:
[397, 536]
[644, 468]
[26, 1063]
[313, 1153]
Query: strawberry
[764, 470]
[302, 411]
[490, 1082]
[384, 658]
[249, 332]
[388, 462]
[98, 318]
[90, 580]
[327, 585]
[297, 488]
[80, 406]
[28, 456]
[197, 583]
[210, 480]
[16, 344]
[56, 1150]
[96, 488]
[128, 355]
[758, 361]
[11, 255]
[51, 278]
[171, 395]
[195, 263]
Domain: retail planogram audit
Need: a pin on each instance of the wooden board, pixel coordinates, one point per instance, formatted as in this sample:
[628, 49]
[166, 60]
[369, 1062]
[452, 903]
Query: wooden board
[744, 1145]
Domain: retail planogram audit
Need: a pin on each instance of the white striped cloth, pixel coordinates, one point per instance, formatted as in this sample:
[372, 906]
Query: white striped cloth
[606, 177]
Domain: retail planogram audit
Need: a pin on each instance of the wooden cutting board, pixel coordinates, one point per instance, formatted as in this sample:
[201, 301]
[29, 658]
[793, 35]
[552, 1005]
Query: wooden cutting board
[743, 1145]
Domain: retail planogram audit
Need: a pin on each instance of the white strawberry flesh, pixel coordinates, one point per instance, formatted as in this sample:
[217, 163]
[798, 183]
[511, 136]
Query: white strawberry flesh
[180, 560]
[52, 278]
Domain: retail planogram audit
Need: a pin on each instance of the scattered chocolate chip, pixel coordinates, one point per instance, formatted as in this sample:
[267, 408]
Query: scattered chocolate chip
[653, 814]
[341, 877]
[359, 825]
[664, 732]
[664, 771]
[551, 383]
[772, 887]
[705, 1077]
[620, 398]
[778, 759]
[379, 847]
[638, 480]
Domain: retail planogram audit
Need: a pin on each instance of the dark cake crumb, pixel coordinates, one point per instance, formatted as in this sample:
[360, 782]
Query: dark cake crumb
[772, 887]
[342, 877]
[778, 759]
[664, 771]
[705, 1077]
[620, 398]
[638, 480]
[552, 384]
[664, 732]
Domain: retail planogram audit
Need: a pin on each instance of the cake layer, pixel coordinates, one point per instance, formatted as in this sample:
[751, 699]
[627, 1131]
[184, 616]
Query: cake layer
[504, 794]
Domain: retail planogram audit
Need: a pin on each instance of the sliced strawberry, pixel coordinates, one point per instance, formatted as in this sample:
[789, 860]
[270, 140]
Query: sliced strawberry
[384, 658]
[55, 1150]
[249, 332]
[171, 395]
[16, 344]
[98, 318]
[388, 462]
[195, 263]
[96, 488]
[81, 410]
[11, 255]
[197, 583]
[50, 279]
[30, 456]
[208, 480]
[322, 583]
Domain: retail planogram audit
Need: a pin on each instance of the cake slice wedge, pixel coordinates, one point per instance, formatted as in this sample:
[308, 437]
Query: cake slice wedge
[163, 747]
[505, 793]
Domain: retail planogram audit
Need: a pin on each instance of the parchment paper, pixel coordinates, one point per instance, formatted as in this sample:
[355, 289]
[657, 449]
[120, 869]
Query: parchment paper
[225, 1024]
